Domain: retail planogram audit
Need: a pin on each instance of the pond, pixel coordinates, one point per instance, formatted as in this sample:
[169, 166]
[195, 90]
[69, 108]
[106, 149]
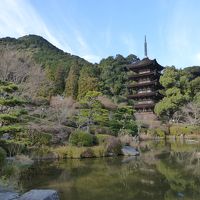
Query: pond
[163, 171]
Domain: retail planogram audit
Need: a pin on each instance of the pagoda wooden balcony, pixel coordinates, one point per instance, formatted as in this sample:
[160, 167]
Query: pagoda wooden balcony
[145, 105]
[135, 76]
[143, 94]
[149, 83]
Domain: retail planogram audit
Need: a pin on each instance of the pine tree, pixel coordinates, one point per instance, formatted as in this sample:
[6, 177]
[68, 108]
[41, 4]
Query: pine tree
[87, 82]
[71, 87]
[10, 116]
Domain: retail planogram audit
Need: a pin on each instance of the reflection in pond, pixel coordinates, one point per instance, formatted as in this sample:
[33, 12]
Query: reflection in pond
[163, 171]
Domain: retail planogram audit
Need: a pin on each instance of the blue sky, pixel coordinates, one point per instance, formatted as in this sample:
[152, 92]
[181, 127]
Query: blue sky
[95, 29]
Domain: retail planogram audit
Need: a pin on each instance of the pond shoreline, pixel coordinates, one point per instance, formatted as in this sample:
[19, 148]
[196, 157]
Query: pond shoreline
[144, 137]
[150, 170]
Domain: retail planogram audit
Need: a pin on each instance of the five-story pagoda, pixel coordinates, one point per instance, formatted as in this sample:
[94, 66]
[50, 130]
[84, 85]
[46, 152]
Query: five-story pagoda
[144, 83]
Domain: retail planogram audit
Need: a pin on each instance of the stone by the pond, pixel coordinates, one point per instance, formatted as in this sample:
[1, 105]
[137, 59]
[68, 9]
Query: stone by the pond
[129, 151]
[8, 195]
[40, 195]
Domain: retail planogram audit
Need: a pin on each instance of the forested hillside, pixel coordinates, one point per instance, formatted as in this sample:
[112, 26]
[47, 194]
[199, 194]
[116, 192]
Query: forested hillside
[49, 71]
[57, 94]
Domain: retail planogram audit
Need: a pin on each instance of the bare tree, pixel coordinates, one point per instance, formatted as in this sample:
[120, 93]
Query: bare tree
[13, 66]
[62, 108]
[191, 113]
[177, 117]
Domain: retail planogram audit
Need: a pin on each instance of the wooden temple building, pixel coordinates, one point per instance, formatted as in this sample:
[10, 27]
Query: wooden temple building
[144, 86]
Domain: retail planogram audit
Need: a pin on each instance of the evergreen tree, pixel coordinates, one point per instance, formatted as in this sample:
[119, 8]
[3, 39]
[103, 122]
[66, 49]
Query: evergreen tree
[71, 87]
[177, 92]
[10, 116]
[60, 80]
[91, 111]
[113, 76]
[87, 81]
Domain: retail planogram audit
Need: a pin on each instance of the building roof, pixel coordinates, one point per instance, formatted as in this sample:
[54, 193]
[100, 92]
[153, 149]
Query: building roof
[145, 62]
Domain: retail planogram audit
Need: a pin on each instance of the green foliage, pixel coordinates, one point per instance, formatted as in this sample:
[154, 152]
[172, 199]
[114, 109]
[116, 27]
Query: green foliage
[192, 72]
[76, 152]
[7, 87]
[122, 121]
[71, 87]
[59, 80]
[5, 118]
[195, 86]
[91, 111]
[184, 130]
[87, 81]
[13, 146]
[170, 77]
[54, 61]
[2, 156]
[11, 102]
[113, 77]
[10, 118]
[80, 138]
[39, 138]
[177, 92]
[102, 138]
[10, 129]
[159, 132]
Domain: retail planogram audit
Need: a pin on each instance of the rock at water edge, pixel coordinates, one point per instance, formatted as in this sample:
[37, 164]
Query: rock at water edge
[8, 195]
[129, 151]
[40, 195]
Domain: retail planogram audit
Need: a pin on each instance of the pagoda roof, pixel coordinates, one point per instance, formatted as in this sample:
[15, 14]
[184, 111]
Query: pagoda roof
[144, 63]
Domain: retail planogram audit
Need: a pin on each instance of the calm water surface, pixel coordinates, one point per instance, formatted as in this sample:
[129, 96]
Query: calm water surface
[163, 171]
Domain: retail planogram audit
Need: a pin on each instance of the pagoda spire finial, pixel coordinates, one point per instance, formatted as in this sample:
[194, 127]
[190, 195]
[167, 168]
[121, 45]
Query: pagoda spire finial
[145, 47]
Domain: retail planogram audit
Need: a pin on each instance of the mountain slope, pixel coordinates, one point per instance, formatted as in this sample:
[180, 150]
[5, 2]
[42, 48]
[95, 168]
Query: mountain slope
[34, 60]
[36, 50]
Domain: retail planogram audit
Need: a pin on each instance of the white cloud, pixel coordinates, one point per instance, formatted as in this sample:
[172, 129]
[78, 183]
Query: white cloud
[129, 42]
[18, 18]
[84, 49]
[81, 41]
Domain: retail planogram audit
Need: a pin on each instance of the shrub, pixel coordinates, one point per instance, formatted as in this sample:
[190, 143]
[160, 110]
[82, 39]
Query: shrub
[80, 138]
[99, 151]
[88, 153]
[10, 129]
[185, 130]
[2, 156]
[74, 152]
[159, 132]
[114, 146]
[126, 139]
[102, 138]
[151, 131]
[61, 151]
[13, 147]
[78, 152]
[40, 138]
